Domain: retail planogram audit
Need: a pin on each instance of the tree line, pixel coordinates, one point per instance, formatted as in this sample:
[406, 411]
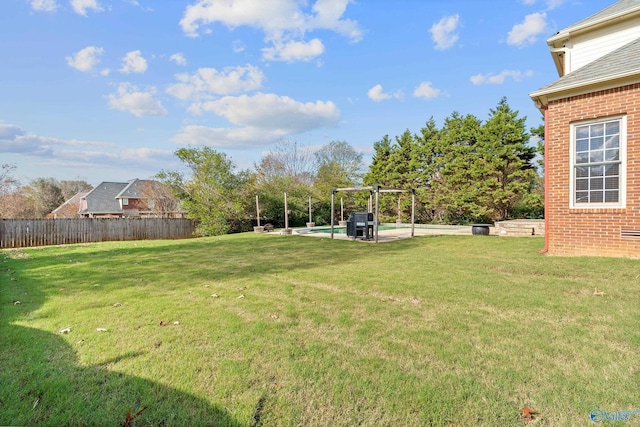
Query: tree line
[36, 199]
[465, 171]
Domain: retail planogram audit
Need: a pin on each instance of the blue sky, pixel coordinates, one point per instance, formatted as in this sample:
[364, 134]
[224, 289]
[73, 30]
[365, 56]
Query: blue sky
[107, 90]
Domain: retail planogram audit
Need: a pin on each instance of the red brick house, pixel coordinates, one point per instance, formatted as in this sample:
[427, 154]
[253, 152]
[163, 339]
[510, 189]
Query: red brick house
[592, 135]
[133, 199]
[70, 208]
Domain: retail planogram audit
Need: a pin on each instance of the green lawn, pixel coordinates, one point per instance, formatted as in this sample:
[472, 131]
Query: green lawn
[297, 331]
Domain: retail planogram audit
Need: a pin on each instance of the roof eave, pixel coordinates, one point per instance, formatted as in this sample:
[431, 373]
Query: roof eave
[592, 25]
[542, 97]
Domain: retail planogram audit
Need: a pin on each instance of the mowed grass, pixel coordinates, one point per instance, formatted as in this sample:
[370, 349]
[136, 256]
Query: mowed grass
[297, 331]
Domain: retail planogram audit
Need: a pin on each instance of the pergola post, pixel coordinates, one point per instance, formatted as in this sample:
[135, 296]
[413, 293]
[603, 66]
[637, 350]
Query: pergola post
[413, 211]
[377, 215]
[333, 196]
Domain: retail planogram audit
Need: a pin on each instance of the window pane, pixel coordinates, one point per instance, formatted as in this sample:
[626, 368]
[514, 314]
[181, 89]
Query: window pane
[597, 170]
[597, 183]
[610, 155]
[582, 145]
[596, 144]
[611, 183]
[582, 184]
[611, 196]
[582, 158]
[597, 130]
[613, 142]
[582, 197]
[582, 132]
[612, 127]
[612, 170]
[596, 197]
[582, 172]
[596, 156]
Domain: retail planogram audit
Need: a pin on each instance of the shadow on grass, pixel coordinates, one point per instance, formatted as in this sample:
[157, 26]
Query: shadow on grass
[42, 383]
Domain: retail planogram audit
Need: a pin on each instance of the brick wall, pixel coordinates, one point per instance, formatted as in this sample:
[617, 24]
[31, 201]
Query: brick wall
[591, 231]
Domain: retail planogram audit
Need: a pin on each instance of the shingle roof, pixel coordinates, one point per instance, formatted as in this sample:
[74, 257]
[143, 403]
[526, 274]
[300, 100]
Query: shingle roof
[73, 201]
[136, 189]
[102, 199]
[620, 8]
[622, 62]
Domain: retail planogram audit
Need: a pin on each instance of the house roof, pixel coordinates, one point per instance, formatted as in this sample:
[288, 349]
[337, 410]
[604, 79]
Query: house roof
[102, 199]
[73, 201]
[617, 10]
[136, 189]
[619, 65]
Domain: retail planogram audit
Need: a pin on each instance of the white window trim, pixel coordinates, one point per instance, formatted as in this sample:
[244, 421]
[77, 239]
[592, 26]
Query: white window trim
[622, 199]
[124, 201]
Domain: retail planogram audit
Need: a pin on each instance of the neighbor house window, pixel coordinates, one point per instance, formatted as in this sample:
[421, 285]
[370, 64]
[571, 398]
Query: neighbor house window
[125, 202]
[598, 163]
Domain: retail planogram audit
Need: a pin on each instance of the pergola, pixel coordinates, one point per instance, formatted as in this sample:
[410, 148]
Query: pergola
[377, 189]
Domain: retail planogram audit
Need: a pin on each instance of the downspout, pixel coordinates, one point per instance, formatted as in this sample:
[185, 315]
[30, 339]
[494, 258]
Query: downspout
[544, 250]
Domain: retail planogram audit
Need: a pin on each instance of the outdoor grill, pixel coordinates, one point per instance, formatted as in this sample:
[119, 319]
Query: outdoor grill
[360, 224]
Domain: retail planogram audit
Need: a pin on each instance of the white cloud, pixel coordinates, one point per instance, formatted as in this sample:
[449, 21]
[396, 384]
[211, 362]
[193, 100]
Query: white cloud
[246, 137]
[425, 90]
[293, 51]
[76, 155]
[130, 99]
[328, 16]
[44, 5]
[14, 139]
[259, 120]
[377, 94]
[499, 79]
[238, 46]
[527, 32]
[207, 82]
[284, 23]
[81, 6]
[270, 111]
[133, 62]
[179, 59]
[551, 4]
[85, 59]
[443, 32]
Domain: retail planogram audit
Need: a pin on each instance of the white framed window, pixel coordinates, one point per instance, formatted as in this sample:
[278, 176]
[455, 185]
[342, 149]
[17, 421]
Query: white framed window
[125, 202]
[598, 163]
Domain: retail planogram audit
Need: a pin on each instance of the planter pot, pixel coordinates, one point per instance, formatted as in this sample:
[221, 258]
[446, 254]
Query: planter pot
[311, 224]
[286, 231]
[342, 223]
[259, 229]
[480, 229]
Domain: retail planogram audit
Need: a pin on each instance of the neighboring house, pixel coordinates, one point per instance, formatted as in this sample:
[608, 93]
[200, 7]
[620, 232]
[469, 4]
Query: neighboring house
[592, 135]
[70, 208]
[136, 198]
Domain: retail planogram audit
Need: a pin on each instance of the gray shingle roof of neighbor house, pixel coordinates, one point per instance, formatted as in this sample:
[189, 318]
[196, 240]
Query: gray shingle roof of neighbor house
[102, 198]
[136, 188]
[618, 9]
[622, 63]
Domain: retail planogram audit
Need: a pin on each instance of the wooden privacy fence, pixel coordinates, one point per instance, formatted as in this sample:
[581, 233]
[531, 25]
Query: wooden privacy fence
[20, 233]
